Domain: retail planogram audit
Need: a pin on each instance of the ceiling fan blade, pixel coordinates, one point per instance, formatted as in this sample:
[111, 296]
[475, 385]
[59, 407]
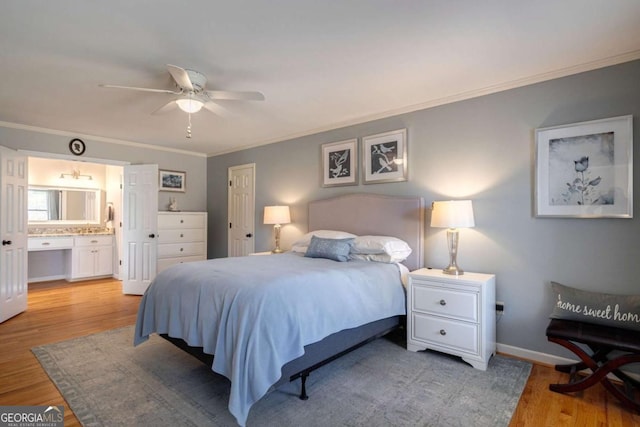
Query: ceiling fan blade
[142, 89]
[217, 109]
[180, 76]
[169, 106]
[235, 95]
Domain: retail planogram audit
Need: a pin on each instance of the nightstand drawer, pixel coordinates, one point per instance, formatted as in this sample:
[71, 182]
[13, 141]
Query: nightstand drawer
[444, 332]
[445, 302]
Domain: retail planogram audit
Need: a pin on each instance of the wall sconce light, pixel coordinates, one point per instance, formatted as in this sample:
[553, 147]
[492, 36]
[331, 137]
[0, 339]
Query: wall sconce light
[452, 215]
[277, 215]
[75, 174]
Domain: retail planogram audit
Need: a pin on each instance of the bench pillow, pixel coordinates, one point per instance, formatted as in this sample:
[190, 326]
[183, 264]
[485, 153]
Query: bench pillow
[618, 311]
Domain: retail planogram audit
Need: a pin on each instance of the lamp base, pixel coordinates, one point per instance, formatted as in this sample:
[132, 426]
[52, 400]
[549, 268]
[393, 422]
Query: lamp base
[277, 251]
[453, 270]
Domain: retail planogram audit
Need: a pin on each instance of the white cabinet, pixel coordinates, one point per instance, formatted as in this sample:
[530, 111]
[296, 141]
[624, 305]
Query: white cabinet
[91, 256]
[49, 243]
[182, 237]
[452, 314]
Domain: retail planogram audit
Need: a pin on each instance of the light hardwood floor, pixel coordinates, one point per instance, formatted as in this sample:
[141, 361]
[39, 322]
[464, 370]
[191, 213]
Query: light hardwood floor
[59, 311]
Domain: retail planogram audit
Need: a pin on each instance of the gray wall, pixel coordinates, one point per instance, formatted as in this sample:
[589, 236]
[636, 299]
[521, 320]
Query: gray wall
[482, 149]
[195, 165]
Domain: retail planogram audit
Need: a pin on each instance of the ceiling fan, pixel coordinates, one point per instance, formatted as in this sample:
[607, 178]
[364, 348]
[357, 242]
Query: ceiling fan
[192, 95]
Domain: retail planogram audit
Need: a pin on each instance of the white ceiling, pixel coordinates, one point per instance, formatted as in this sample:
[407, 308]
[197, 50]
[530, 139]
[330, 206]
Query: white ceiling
[320, 64]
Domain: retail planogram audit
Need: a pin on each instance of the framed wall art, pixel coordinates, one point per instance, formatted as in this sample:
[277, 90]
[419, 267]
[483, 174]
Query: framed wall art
[385, 157]
[173, 181]
[340, 163]
[585, 170]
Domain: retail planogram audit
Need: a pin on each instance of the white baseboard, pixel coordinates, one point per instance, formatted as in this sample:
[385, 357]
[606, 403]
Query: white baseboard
[550, 359]
[534, 356]
[45, 278]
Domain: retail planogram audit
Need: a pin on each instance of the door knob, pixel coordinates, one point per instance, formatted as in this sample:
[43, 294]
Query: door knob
[152, 235]
[6, 242]
[249, 235]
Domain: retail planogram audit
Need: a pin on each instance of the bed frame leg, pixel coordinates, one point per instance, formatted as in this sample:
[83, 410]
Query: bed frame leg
[303, 382]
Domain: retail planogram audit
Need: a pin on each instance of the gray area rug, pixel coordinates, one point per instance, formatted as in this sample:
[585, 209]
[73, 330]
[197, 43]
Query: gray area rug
[108, 382]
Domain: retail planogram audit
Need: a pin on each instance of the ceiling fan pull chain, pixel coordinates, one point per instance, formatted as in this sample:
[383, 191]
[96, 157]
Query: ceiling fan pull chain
[189, 127]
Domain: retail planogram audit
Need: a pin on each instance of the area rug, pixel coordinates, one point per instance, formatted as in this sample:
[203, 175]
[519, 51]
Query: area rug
[108, 382]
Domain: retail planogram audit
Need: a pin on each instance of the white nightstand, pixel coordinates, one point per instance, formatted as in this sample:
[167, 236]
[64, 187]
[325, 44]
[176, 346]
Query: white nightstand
[452, 314]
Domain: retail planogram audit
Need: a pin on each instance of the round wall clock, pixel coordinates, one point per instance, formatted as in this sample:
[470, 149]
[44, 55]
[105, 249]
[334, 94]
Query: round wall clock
[77, 147]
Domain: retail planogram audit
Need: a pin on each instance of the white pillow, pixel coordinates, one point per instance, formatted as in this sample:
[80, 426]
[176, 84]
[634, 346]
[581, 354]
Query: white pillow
[302, 243]
[397, 250]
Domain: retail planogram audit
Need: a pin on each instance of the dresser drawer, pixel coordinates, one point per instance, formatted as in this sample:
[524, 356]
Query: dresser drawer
[445, 302]
[164, 263]
[170, 250]
[49, 243]
[177, 236]
[445, 332]
[169, 221]
[93, 240]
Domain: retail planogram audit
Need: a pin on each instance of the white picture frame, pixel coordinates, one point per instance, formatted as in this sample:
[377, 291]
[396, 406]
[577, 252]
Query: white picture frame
[385, 157]
[172, 181]
[585, 170]
[340, 163]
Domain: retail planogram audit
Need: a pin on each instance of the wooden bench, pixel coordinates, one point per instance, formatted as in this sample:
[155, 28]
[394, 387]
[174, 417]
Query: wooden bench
[602, 341]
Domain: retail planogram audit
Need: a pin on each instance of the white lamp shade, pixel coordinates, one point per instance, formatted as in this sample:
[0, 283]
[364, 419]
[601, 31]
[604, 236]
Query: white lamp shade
[277, 215]
[452, 214]
[189, 105]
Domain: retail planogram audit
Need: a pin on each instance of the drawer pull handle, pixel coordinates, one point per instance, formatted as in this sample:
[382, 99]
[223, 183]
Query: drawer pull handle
[181, 221]
[45, 243]
[181, 249]
[443, 302]
[443, 332]
[181, 235]
[94, 241]
[6, 242]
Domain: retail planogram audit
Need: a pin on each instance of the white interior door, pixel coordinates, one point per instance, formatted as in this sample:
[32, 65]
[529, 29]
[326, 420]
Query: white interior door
[140, 227]
[13, 233]
[241, 202]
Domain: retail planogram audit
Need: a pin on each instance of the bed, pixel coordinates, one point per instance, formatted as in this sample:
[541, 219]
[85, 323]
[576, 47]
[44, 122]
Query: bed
[258, 318]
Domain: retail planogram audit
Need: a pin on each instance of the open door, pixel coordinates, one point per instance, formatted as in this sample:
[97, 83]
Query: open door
[140, 227]
[13, 233]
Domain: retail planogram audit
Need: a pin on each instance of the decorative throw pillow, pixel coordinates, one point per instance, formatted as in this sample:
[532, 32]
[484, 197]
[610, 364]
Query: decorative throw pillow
[302, 243]
[335, 249]
[620, 311]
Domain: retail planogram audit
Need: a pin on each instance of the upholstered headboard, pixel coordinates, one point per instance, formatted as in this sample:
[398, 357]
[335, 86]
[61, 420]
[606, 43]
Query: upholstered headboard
[372, 214]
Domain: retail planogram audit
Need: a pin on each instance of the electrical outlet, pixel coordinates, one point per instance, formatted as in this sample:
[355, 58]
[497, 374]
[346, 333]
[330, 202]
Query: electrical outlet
[500, 306]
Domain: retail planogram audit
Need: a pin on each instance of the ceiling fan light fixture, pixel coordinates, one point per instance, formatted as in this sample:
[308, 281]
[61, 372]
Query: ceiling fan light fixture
[189, 105]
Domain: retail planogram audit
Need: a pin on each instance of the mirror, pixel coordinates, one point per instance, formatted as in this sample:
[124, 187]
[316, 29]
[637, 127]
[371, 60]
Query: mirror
[63, 205]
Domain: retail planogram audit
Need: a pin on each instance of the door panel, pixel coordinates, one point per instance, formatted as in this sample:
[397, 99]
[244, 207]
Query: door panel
[140, 222]
[241, 200]
[13, 233]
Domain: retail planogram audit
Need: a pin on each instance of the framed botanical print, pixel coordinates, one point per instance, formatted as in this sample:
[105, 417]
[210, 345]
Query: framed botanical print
[172, 181]
[385, 157]
[340, 163]
[585, 170]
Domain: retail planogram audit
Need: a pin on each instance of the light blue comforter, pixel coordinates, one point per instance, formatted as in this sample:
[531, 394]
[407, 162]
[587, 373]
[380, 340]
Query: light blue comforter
[256, 313]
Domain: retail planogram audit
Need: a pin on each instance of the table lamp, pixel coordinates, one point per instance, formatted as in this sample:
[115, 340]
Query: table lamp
[452, 215]
[277, 215]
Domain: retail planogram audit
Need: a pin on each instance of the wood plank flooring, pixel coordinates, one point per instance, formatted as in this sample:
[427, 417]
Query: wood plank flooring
[59, 311]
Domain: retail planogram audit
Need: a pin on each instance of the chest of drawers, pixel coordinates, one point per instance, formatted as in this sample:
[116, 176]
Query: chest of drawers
[452, 314]
[182, 237]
